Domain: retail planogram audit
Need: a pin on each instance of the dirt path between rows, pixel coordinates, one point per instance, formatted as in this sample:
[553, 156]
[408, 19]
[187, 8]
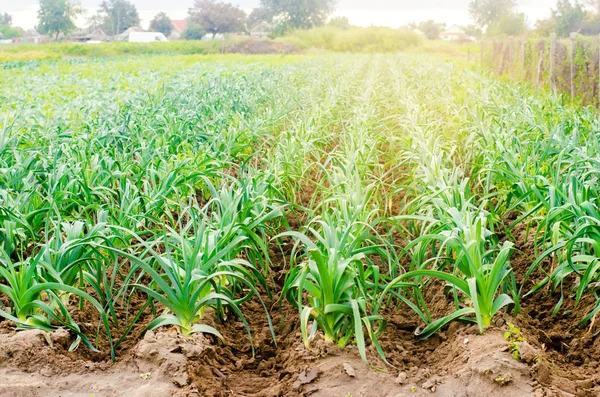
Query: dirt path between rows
[458, 363]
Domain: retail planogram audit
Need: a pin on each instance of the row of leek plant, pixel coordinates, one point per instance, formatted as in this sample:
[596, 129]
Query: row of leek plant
[543, 162]
[450, 233]
[194, 265]
[335, 267]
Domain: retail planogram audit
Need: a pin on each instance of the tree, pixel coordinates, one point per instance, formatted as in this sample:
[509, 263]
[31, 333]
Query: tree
[94, 22]
[568, 17]
[5, 19]
[301, 14]
[595, 4]
[473, 30]
[544, 27]
[56, 17]
[162, 23]
[6, 31]
[193, 32]
[119, 15]
[512, 24]
[340, 22]
[431, 29]
[216, 17]
[486, 12]
[591, 25]
[258, 15]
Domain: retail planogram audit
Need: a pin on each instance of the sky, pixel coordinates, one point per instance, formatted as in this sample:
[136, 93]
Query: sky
[393, 13]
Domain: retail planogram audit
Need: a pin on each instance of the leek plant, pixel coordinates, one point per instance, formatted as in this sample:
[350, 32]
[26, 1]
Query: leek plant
[251, 206]
[199, 269]
[479, 276]
[338, 279]
[35, 303]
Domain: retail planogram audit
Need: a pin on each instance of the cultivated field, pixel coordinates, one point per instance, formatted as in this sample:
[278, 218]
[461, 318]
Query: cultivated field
[326, 225]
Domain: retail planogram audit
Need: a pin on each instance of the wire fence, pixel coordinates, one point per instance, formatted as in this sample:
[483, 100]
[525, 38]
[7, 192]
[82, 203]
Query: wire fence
[569, 67]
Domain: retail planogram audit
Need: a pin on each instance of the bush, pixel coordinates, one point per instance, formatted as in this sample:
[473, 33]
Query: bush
[355, 39]
[26, 56]
[23, 52]
[193, 32]
[7, 32]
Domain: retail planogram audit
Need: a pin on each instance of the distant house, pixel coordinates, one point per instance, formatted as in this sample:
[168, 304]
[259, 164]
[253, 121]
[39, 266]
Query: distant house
[146, 37]
[77, 35]
[125, 35]
[32, 37]
[456, 33]
[96, 36]
[135, 34]
[179, 26]
[261, 31]
[210, 36]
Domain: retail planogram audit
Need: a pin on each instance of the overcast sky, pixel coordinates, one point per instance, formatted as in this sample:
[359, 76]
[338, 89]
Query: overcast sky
[392, 13]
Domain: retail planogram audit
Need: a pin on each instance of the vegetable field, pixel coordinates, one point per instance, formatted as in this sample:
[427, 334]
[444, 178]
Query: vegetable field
[333, 225]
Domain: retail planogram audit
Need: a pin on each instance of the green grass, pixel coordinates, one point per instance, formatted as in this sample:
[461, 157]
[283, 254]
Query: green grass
[354, 39]
[28, 52]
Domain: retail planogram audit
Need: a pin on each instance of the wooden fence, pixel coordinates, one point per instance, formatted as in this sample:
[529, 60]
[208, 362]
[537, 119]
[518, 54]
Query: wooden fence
[569, 67]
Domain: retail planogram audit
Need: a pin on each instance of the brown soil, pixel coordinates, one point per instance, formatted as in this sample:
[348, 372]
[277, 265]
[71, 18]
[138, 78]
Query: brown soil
[455, 362]
[261, 47]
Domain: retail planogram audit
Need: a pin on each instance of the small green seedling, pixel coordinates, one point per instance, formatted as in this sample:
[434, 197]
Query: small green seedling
[513, 337]
[502, 381]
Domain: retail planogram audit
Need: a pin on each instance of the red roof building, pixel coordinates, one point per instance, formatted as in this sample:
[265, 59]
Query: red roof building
[179, 25]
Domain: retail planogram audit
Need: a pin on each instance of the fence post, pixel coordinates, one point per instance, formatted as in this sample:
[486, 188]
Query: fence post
[493, 62]
[523, 59]
[573, 48]
[510, 51]
[538, 80]
[485, 46]
[552, 63]
[481, 53]
[503, 52]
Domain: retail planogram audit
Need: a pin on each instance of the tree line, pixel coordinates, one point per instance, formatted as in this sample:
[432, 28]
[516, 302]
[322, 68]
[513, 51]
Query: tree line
[501, 17]
[494, 18]
[490, 17]
[57, 17]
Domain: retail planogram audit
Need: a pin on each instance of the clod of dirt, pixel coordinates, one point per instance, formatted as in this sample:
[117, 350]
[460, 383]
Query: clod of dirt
[61, 337]
[430, 384]
[539, 393]
[565, 385]
[167, 352]
[307, 377]
[528, 353]
[401, 378]
[542, 373]
[29, 338]
[585, 384]
[349, 370]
